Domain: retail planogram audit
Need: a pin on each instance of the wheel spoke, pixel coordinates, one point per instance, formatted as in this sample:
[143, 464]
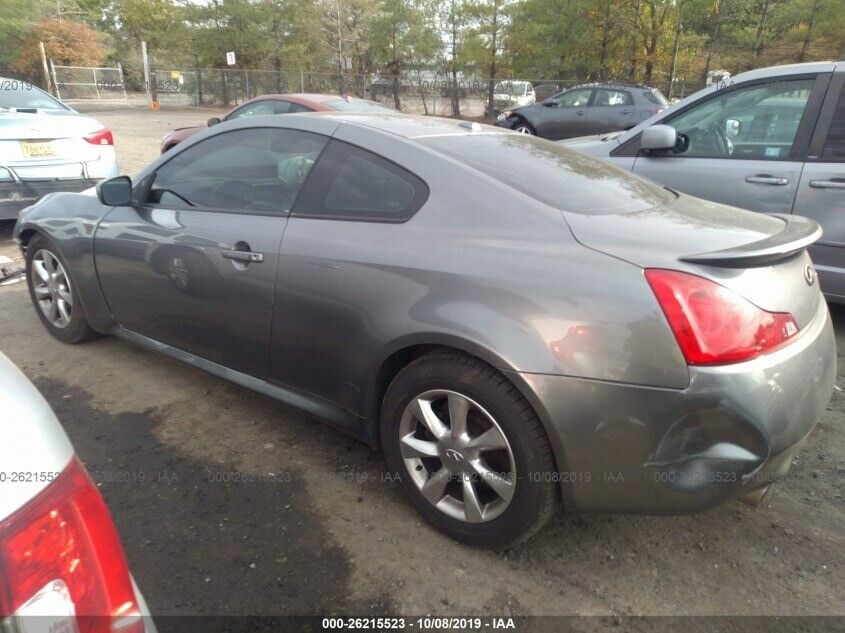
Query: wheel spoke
[40, 269]
[422, 411]
[415, 447]
[54, 311]
[66, 296]
[64, 311]
[492, 439]
[435, 486]
[501, 486]
[458, 410]
[49, 263]
[41, 291]
[472, 505]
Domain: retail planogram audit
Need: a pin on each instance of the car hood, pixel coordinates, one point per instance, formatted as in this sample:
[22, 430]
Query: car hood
[595, 145]
[751, 253]
[45, 125]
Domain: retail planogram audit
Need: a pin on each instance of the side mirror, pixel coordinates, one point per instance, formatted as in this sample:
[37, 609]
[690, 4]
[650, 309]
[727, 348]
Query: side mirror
[115, 192]
[549, 104]
[213, 121]
[658, 137]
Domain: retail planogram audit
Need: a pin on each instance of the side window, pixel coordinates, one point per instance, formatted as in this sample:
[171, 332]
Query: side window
[834, 146]
[352, 183]
[268, 106]
[257, 169]
[606, 97]
[757, 122]
[295, 107]
[574, 98]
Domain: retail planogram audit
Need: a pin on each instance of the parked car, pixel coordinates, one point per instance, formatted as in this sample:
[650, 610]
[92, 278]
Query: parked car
[585, 109]
[512, 93]
[60, 555]
[47, 146]
[278, 104]
[510, 320]
[770, 140]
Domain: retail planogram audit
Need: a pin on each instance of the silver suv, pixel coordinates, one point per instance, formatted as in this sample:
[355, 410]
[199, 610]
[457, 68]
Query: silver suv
[769, 140]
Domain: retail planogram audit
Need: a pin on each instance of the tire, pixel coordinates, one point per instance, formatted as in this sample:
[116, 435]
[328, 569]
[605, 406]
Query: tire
[433, 384]
[524, 127]
[70, 324]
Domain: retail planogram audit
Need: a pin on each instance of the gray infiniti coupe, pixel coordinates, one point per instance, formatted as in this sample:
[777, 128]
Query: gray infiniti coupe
[514, 323]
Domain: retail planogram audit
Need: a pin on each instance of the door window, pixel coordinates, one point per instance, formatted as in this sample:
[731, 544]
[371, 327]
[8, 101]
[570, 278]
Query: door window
[578, 98]
[352, 183]
[757, 122]
[257, 169]
[258, 108]
[834, 146]
[606, 97]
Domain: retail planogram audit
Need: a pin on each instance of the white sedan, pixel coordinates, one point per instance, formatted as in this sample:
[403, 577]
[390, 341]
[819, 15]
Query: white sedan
[60, 555]
[46, 146]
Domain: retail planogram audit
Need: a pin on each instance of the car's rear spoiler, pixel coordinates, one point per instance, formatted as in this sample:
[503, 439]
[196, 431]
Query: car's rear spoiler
[797, 234]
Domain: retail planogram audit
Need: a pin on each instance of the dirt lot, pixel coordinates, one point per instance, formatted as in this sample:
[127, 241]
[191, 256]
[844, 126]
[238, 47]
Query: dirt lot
[176, 452]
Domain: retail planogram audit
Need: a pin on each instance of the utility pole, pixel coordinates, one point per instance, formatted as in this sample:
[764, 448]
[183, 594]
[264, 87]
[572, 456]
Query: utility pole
[46, 70]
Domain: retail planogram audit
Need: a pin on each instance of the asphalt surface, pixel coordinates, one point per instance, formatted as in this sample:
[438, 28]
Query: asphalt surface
[230, 503]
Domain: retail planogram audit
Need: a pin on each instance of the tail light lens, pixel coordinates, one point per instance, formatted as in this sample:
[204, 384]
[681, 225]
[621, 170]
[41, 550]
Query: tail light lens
[60, 556]
[100, 137]
[713, 324]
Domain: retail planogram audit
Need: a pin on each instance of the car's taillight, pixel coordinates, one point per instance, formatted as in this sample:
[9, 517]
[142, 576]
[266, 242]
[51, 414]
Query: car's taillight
[713, 324]
[60, 556]
[100, 137]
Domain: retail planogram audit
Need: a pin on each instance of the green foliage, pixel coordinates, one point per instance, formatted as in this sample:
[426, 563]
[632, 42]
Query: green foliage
[532, 39]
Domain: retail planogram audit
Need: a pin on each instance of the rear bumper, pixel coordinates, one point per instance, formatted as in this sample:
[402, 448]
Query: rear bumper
[15, 196]
[628, 448]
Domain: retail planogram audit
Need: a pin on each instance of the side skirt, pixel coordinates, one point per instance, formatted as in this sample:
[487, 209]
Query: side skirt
[333, 415]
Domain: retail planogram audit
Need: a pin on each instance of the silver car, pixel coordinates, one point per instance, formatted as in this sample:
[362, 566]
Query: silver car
[46, 146]
[511, 321]
[769, 140]
[60, 555]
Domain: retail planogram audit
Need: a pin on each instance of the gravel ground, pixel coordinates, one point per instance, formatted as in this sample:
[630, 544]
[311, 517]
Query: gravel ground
[230, 503]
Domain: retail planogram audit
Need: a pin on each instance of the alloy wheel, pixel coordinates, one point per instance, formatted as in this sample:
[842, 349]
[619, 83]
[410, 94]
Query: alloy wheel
[52, 289]
[523, 129]
[457, 455]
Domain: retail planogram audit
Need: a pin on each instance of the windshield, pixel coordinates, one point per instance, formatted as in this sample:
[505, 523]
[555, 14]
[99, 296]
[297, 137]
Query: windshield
[16, 94]
[514, 88]
[552, 174]
[357, 105]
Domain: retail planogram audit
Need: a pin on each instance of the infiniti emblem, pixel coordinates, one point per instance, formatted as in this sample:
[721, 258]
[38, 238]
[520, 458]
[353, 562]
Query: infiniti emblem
[809, 275]
[453, 454]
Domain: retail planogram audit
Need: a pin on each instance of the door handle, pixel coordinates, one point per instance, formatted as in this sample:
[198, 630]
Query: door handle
[833, 183]
[581, 112]
[248, 257]
[766, 179]
[625, 112]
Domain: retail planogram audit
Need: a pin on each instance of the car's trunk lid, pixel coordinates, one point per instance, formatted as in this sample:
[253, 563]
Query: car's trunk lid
[761, 257]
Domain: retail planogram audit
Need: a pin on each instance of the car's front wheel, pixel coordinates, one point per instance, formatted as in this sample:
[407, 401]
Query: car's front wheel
[53, 293]
[524, 127]
[471, 454]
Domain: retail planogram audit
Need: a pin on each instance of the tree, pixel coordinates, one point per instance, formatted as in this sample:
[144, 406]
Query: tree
[66, 42]
[490, 20]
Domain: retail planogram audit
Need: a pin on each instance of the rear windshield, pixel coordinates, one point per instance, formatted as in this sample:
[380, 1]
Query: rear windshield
[655, 96]
[20, 94]
[551, 173]
[357, 105]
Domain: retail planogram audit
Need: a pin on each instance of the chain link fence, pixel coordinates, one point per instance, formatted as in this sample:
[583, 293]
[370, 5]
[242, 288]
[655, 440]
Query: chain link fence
[83, 83]
[417, 92]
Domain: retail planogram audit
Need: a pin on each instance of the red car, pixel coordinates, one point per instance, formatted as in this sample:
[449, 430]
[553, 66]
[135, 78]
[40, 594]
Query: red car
[278, 104]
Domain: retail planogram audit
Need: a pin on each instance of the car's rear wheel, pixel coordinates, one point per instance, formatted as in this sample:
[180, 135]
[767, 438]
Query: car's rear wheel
[524, 127]
[470, 452]
[53, 293]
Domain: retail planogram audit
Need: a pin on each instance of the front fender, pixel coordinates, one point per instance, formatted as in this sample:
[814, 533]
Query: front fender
[69, 221]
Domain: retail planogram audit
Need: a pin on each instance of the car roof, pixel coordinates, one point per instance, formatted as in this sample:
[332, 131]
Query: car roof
[302, 98]
[786, 69]
[410, 126]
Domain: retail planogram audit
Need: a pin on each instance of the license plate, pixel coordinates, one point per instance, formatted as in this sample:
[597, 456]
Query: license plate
[35, 149]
